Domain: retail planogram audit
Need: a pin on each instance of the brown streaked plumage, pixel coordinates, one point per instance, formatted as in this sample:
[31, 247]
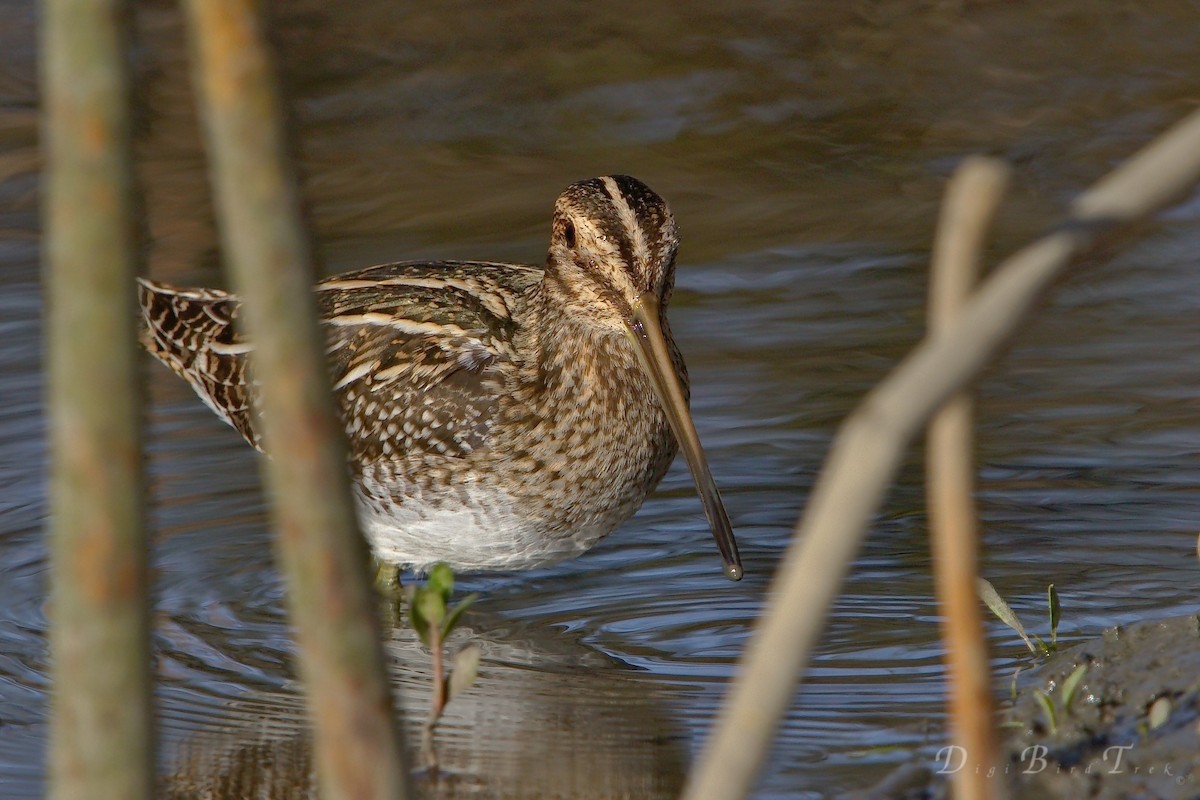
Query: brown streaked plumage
[499, 416]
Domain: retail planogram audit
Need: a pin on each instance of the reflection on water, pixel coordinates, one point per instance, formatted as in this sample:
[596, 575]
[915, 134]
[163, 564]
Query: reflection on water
[803, 149]
[585, 727]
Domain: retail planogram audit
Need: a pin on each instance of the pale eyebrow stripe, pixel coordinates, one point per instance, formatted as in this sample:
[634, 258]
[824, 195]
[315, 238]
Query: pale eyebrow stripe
[637, 238]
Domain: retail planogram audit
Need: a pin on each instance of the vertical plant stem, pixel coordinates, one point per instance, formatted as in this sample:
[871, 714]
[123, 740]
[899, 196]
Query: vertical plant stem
[101, 731]
[972, 198]
[437, 703]
[356, 736]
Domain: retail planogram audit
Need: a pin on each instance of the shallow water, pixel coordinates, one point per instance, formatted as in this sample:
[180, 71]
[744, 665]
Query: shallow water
[804, 148]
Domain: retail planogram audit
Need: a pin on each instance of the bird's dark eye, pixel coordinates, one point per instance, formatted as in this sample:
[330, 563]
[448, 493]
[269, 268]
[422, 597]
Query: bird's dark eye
[569, 234]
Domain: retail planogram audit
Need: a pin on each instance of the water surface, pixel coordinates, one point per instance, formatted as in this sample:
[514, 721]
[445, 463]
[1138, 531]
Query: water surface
[804, 147]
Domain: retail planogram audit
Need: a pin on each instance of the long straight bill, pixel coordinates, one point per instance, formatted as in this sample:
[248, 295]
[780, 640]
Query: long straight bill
[651, 347]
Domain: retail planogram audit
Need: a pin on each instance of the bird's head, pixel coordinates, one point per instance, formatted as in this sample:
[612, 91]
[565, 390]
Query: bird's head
[613, 243]
[611, 267]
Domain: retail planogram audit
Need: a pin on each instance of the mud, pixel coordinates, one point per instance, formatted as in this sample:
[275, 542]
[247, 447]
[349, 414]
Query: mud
[1128, 730]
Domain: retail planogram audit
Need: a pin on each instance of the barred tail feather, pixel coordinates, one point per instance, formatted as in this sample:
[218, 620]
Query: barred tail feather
[194, 333]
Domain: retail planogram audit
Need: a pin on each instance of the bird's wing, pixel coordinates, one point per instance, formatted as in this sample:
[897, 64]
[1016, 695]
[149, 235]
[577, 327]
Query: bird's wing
[417, 353]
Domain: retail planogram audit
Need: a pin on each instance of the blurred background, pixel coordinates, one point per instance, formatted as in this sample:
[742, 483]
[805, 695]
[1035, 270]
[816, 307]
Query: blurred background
[804, 147]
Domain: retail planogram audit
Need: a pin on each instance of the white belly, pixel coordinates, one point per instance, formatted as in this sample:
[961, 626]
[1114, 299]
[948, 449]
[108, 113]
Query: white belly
[480, 529]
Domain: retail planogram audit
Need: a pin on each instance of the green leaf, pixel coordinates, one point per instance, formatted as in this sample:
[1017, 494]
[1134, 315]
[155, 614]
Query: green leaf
[452, 619]
[1003, 611]
[1055, 612]
[416, 616]
[431, 606]
[1048, 710]
[466, 669]
[1071, 685]
[441, 580]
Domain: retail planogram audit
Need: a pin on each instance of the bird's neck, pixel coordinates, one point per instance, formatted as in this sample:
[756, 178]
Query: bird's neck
[573, 355]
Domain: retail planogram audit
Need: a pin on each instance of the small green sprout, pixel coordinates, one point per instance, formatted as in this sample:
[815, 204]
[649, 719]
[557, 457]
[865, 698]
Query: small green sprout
[1047, 705]
[1005, 614]
[1066, 693]
[434, 619]
[1055, 613]
[1071, 685]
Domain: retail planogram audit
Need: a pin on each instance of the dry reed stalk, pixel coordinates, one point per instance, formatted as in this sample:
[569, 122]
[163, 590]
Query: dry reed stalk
[972, 199]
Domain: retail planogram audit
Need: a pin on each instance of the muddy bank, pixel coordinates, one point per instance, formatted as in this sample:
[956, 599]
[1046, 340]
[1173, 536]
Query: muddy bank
[1115, 718]
[1129, 729]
